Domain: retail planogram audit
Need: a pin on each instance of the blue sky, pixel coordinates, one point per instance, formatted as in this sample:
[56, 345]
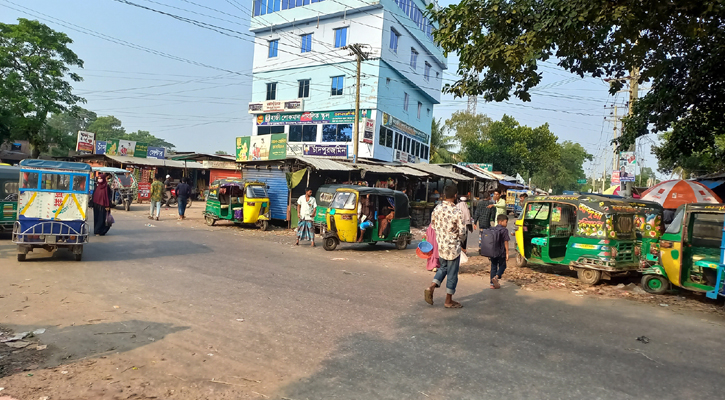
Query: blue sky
[196, 96]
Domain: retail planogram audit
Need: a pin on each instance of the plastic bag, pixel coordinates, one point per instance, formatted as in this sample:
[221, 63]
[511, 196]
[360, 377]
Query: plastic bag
[464, 258]
[109, 219]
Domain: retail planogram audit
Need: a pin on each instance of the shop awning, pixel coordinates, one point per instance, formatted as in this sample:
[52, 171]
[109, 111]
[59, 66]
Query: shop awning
[711, 184]
[412, 172]
[322, 164]
[153, 162]
[437, 170]
[480, 174]
[511, 184]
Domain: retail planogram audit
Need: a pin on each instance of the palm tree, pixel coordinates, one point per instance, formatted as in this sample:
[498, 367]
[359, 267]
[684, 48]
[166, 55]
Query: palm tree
[441, 143]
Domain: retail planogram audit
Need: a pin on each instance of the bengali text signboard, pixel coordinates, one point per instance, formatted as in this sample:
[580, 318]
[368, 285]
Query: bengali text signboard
[262, 147]
[326, 150]
[84, 145]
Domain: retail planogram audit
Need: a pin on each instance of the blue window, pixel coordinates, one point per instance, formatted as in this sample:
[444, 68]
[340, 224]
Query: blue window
[306, 43]
[337, 83]
[394, 40]
[413, 58]
[273, 44]
[341, 37]
[406, 98]
[426, 74]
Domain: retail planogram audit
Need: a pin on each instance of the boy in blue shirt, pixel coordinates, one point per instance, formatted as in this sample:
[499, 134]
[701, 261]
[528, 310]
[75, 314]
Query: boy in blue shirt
[498, 264]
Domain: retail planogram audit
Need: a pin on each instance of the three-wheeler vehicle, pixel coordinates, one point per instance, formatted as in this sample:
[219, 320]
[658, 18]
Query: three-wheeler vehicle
[594, 235]
[8, 196]
[124, 187]
[345, 214]
[52, 207]
[239, 201]
[692, 252]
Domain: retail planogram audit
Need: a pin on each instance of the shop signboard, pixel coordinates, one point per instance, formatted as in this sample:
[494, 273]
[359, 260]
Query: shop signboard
[368, 131]
[581, 181]
[112, 147]
[156, 152]
[484, 166]
[141, 150]
[306, 118]
[219, 164]
[627, 166]
[144, 190]
[84, 145]
[615, 178]
[101, 146]
[272, 106]
[326, 150]
[389, 120]
[262, 147]
[126, 148]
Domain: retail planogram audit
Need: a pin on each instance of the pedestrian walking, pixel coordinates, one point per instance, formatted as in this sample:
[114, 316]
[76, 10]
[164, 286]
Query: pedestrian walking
[447, 220]
[157, 195]
[499, 203]
[101, 205]
[306, 209]
[467, 221]
[183, 192]
[498, 264]
[483, 215]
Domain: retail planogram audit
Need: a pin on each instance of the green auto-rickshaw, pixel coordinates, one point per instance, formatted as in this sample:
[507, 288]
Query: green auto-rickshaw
[239, 201]
[8, 196]
[594, 235]
[692, 252]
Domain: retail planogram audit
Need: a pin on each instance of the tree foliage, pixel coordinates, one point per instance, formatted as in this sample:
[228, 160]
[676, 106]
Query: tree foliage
[34, 63]
[511, 147]
[221, 153]
[467, 127]
[704, 160]
[562, 172]
[678, 45]
[441, 144]
[110, 127]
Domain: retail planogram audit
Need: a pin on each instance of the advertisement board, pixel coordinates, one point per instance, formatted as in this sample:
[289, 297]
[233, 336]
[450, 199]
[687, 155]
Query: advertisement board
[156, 152]
[141, 150]
[305, 118]
[368, 131]
[389, 120]
[85, 142]
[615, 178]
[144, 190]
[325, 150]
[112, 147]
[126, 148]
[627, 166]
[272, 106]
[101, 146]
[484, 166]
[262, 147]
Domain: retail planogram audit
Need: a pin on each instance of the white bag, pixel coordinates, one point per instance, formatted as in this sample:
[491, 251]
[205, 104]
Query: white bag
[464, 258]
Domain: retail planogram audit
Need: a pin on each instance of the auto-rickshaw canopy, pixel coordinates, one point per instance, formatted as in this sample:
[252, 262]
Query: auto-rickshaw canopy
[399, 199]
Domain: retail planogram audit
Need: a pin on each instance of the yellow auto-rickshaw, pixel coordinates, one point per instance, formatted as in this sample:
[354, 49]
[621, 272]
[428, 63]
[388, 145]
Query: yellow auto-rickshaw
[388, 219]
[242, 202]
[692, 252]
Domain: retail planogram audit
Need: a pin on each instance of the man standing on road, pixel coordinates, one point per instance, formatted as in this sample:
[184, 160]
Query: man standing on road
[498, 203]
[306, 209]
[498, 264]
[447, 221]
[167, 191]
[157, 195]
[482, 215]
[183, 192]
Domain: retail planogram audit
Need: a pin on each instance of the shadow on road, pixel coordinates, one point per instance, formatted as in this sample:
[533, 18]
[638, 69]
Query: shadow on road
[505, 345]
[71, 343]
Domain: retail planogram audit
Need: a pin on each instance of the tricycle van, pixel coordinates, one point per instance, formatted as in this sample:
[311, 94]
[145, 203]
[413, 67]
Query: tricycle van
[8, 197]
[239, 201]
[593, 235]
[692, 252]
[52, 207]
[360, 214]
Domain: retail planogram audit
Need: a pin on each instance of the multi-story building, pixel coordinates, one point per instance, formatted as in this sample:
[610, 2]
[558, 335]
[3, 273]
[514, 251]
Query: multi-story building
[304, 78]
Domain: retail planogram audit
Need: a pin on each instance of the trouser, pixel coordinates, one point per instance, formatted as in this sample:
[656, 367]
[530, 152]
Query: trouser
[449, 269]
[182, 205]
[156, 204]
[464, 240]
[99, 220]
[498, 266]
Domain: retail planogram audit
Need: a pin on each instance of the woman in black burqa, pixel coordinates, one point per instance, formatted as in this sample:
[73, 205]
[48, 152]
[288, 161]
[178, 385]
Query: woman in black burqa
[101, 205]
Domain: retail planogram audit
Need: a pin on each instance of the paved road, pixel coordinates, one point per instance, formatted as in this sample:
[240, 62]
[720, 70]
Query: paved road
[163, 310]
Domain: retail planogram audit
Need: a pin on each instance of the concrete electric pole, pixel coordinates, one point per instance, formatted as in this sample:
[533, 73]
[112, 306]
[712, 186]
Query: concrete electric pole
[633, 94]
[356, 50]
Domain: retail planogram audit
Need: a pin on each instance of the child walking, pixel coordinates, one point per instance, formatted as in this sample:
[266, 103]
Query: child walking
[498, 264]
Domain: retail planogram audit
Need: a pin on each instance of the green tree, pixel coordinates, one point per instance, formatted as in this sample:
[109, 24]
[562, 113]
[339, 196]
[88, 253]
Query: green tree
[107, 128]
[441, 144]
[705, 160]
[677, 45]
[221, 153]
[62, 129]
[561, 173]
[147, 137]
[34, 62]
[468, 127]
[513, 148]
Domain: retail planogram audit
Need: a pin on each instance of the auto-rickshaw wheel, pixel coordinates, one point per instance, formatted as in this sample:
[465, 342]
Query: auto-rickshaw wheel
[330, 243]
[655, 284]
[372, 243]
[21, 257]
[401, 243]
[520, 261]
[127, 205]
[262, 225]
[209, 220]
[589, 276]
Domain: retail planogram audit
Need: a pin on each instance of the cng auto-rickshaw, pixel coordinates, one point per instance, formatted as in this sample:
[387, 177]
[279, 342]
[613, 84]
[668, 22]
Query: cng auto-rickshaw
[594, 235]
[692, 252]
[8, 196]
[239, 201]
[124, 187]
[389, 220]
[52, 206]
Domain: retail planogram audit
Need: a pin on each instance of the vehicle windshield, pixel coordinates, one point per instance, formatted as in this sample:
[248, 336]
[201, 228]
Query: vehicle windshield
[9, 190]
[55, 182]
[676, 222]
[256, 192]
[344, 201]
[126, 181]
[324, 198]
[538, 211]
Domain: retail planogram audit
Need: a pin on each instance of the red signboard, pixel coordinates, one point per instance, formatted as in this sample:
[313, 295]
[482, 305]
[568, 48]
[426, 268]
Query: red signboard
[144, 191]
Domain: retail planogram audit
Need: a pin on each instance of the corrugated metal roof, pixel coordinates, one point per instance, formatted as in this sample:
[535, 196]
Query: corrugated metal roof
[437, 170]
[378, 169]
[475, 172]
[153, 162]
[323, 164]
[411, 171]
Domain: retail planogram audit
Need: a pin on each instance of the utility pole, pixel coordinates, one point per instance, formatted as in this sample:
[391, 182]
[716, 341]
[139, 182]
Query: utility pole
[472, 104]
[614, 119]
[633, 94]
[356, 50]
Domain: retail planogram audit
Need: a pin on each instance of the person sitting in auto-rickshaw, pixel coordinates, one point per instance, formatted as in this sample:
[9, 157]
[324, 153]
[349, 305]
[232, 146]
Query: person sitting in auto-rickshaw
[365, 216]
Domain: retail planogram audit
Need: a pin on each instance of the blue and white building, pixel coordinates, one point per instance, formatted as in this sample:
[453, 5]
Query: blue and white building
[304, 80]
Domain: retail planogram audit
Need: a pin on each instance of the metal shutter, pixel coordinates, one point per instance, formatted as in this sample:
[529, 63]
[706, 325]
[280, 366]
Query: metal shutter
[278, 191]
